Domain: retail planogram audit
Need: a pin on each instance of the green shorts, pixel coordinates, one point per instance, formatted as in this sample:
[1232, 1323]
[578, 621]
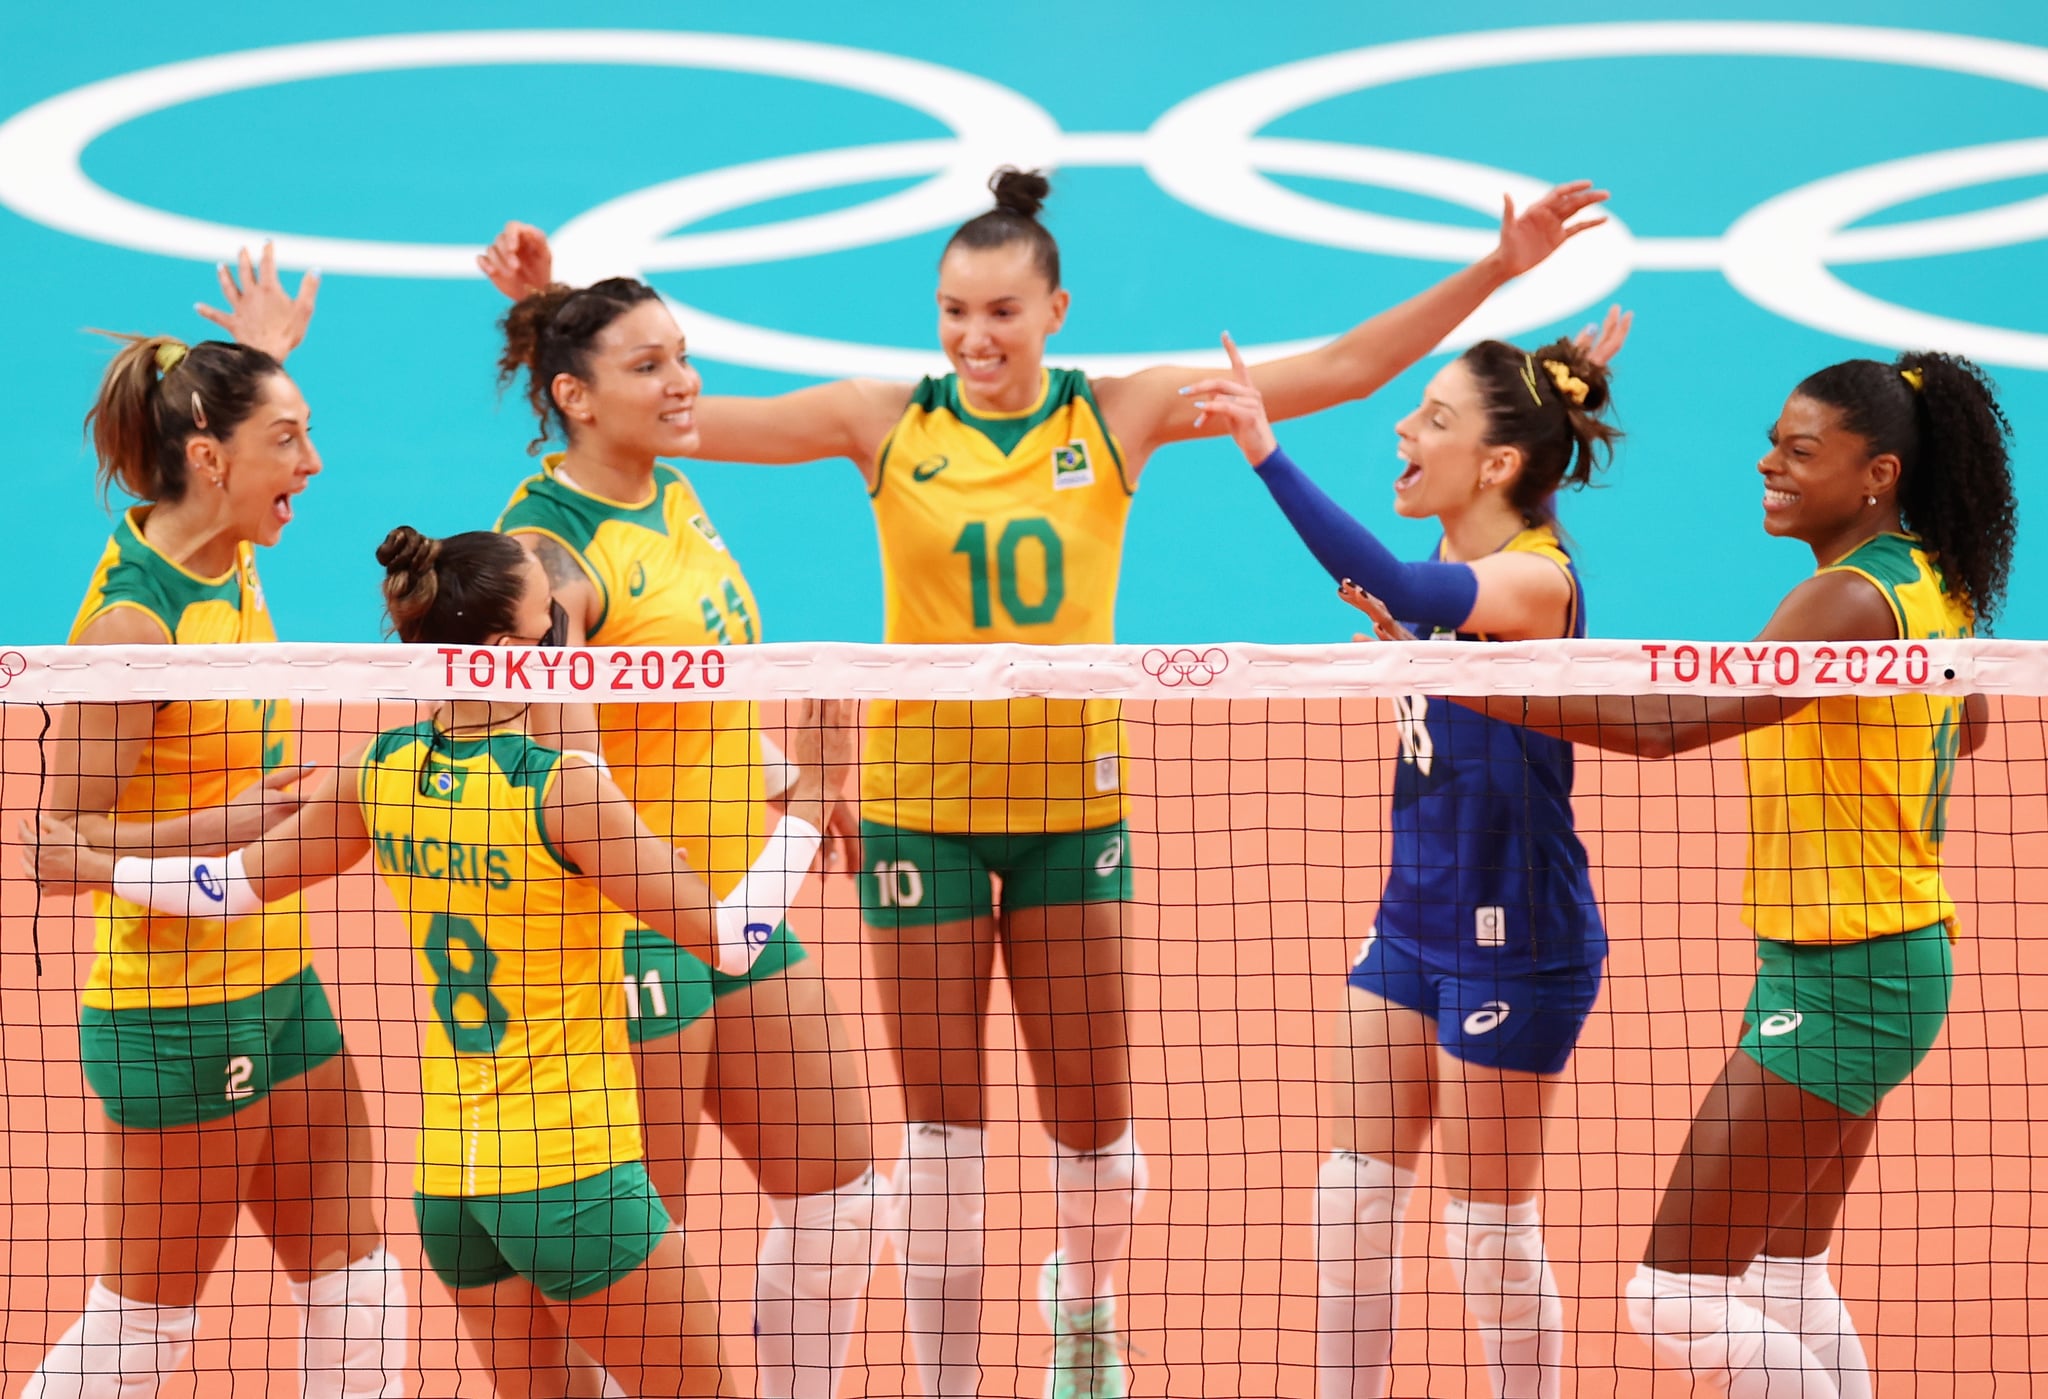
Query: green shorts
[1849, 1022]
[916, 878]
[567, 1240]
[171, 1066]
[668, 989]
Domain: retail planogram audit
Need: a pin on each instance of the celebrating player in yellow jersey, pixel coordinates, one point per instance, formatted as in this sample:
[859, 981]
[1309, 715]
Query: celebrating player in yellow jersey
[503, 853]
[211, 1046]
[1897, 476]
[1001, 491]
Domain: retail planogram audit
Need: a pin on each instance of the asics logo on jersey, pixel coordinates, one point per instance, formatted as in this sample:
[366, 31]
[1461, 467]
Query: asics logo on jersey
[636, 581]
[1780, 1022]
[758, 934]
[1184, 665]
[208, 885]
[928, 468]
[1487, 1017]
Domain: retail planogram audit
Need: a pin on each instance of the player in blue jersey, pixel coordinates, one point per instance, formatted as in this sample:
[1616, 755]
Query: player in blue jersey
[1485, 958]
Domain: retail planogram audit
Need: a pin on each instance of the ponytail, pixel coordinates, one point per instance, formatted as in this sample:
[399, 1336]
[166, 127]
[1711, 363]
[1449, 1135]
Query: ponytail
[157, 394]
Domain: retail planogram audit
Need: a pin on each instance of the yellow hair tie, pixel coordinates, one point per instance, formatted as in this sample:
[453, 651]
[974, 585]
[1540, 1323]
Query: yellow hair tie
[1915, 378]
[169, 356]
[1568, 384]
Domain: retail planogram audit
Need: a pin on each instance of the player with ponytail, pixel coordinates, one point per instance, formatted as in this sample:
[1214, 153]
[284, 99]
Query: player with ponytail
[1485, 957]
[1001, 492]
[1898, 476]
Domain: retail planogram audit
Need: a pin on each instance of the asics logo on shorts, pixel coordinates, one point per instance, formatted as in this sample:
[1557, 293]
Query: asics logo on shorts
[758, 934]
[208, 885]
[1487, 1017]
[1111, 857]
[1780, 1022]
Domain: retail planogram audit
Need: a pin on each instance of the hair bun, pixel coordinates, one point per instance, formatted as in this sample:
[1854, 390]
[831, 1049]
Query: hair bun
[1578, 363]
[406, 550]
[1021, 192]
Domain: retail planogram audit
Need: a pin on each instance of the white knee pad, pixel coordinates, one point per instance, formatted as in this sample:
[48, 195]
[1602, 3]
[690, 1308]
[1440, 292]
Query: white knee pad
[939, 1197]
[354, 1335]
[826, 1241]
[1359, 1204]
[1101, 1189]
[1496, 1253]
[1698, 1323]
[119, 1349]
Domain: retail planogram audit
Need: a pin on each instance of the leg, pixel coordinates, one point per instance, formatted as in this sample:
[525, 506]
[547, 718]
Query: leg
[787, 1094]
[1758, 1146]
[169, 1199]
[1492, 1149]
[934, 980]
[521, 1343]
[672, 1072]
[656, 1329]
[1384, 1074]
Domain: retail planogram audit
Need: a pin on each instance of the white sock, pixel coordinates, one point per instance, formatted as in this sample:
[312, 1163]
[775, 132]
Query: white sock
[1798, 1294]
[1497, 1256]
[120, 1349]
[937, 1225]
[1698, 1323]
[354, 1329]
[813, 1269]
[1096, 1195]
[1359, 1204]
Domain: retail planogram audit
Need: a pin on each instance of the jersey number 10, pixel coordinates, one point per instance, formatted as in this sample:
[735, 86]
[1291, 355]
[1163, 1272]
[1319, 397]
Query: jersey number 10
[973, 542]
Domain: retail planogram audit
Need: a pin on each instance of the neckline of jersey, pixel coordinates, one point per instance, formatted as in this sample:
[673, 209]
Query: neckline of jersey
[552, 466]
[972, 413]
[233, 574]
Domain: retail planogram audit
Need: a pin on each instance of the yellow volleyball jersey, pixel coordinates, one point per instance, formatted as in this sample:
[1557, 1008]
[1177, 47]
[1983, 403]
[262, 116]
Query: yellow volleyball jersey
[1543, 540]
[1848, 799]
[665, 578]
[526, 1075]
[998, 527]
[199, 754]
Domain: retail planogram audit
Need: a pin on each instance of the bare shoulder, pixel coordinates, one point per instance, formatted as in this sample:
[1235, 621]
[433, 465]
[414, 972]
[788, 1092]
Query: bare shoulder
[124, 624]
[1837, 605]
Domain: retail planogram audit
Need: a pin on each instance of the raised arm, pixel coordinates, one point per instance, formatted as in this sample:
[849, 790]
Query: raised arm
[260, 313]
[321, 839]
[1146, 410]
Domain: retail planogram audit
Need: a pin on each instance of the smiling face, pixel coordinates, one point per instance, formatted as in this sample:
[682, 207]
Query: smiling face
[1446, 464]
[996, 311]
[641, 396]
[1819, 476]
[262, 465]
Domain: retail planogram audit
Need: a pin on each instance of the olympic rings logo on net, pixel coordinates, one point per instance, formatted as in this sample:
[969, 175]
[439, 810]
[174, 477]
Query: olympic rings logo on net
[1184, 665]
[1204, 151]
[12, 663]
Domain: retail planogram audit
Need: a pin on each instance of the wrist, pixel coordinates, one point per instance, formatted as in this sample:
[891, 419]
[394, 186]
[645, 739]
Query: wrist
[1493, 270]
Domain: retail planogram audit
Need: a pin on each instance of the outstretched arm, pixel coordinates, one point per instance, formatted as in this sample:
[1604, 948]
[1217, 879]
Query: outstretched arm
[260, 313]
[1146, 411]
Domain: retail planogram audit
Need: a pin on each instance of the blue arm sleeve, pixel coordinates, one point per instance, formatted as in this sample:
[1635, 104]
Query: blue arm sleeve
[1424, 594]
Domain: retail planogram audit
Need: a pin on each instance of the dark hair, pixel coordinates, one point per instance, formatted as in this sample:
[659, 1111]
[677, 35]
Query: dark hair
[1020, 194]
[551, 331]
[1548, 404]
[457, 590]
[1954, 449]
[145, 413]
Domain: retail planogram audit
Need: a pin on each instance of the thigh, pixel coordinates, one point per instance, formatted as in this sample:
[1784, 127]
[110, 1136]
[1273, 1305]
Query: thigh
[672, 1071]
[312, 1191]
[1758, 1146]
[1490, 1125]
[1384, 1075]
[1066, 968]
[786, 1086]
[655, 1329]
[933, 981]
[169, 1200]
[520, 1342]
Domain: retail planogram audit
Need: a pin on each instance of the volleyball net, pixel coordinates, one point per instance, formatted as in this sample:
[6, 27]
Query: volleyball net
[1257, 788]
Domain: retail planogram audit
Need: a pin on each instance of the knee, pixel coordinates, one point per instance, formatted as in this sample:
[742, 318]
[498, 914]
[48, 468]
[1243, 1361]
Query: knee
[1684, 1317]
[1359, 1203]
[1497, 1253]
[939, 1197]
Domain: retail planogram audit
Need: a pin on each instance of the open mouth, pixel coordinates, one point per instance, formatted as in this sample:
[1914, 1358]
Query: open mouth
[1411, 472]
[1775, 499]
[981, 366]
[680, 418]
[282, 508]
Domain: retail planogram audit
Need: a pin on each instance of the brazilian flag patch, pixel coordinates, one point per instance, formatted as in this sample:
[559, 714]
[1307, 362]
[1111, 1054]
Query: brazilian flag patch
[443, 781]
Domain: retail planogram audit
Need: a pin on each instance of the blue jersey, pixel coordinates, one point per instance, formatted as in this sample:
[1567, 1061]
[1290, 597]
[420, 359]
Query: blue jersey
[1487, 870]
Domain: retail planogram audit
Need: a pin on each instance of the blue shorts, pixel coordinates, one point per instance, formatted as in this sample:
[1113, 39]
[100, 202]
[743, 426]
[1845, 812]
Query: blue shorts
[1518, 1018]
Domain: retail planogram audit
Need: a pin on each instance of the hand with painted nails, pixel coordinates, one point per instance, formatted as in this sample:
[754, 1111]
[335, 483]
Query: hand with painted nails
[1384, 627]
[1528, 237]
[1237, 401]
[261, 314]
[1604, 341]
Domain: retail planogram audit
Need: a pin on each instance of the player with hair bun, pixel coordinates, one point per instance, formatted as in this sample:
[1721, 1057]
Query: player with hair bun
[1899, 478]
[212, 1046]
[1001, 492]
[1484, 958]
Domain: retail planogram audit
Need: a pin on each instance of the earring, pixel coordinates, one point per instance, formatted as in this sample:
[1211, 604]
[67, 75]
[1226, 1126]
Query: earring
[1871, 499]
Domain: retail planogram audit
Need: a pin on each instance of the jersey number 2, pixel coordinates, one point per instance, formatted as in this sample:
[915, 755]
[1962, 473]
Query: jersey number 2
[973, 542]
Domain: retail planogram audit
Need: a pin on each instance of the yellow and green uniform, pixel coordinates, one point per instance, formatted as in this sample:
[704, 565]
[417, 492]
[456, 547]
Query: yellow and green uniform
[1848, 803]
[528, 1105]
[664, 577]
[996, 528]
[199, 987]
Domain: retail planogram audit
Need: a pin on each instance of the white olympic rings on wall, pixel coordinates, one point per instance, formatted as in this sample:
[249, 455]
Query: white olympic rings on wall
[1205, 151]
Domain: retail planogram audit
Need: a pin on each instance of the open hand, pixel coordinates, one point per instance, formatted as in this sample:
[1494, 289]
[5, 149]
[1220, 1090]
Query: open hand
[1384, 627]
[261, 314]
[1604, 341]
[1236, 400]
[519, 261]
[1545, 226]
